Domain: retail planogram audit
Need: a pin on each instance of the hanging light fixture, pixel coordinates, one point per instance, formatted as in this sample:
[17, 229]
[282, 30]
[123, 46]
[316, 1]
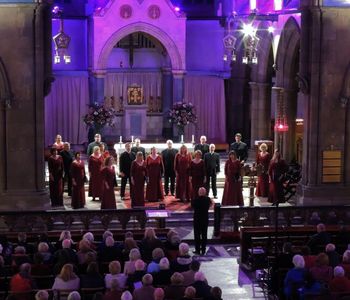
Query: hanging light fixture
[61, 40]
[281, 124]
[229, 42]
[250, 41]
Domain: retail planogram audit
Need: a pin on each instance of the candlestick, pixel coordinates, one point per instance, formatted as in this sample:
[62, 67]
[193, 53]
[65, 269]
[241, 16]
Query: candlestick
[182, 138]
[132, 139]
[192, 138]
[120, 139]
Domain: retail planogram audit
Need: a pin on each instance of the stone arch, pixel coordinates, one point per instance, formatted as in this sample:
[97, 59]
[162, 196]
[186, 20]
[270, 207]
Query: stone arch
[177, 62]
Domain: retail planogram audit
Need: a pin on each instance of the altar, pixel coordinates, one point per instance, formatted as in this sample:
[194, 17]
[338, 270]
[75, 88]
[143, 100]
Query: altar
[120, 147]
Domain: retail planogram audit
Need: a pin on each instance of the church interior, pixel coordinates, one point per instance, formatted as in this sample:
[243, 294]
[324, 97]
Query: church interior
[228, 83]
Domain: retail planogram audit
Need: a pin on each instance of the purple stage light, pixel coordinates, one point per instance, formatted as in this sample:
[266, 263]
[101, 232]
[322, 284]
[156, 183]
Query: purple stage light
[56, 9]
[177, 8]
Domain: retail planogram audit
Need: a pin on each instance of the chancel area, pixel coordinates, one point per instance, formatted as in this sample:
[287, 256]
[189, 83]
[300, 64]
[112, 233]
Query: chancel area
[162, 142]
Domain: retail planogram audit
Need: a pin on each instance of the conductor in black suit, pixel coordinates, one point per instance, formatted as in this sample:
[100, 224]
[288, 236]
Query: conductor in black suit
[168, 156]
[125, 160]
[138, 148]
[240, 148]
[212, 167]
[92, 145]
[201, 206]
[202, 146]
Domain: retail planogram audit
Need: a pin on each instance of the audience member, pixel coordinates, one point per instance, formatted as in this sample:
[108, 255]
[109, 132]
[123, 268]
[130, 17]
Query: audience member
[129, 266]
[149, 243]
[19, 257]
[158, 294]
[175, 290]
[322, 272]
[339, 284]
[126, 296]
[66, 255]
[65, 235]
[163, 276]
[346, 263]
[42, 295]
[67, 279]
[284, 260]
[308, 258]
[146, 291]
[136, 277]
[320, 239]
[115, 274]
[22, 281]
[39, 268]
[109, 250]
[295, 277]
[115, 291]
[216, 294]
[74, 296]
[171, 244]
[190, 293]
[44, 250]
[92, 278]
[201, 285]
[84, 248]
[22, 241]
[183, 261]
[333, 256]
[311, 286]
[157, 255]
[189, 275]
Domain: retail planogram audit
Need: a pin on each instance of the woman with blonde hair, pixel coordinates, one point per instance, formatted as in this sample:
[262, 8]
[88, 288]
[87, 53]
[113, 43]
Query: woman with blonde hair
[95, 166]
[149, 243]
[108, 180]
[155, 171]
[129, 266]
[67, 279]
[263, 161]
[278, 167]
[181, 167]
[115, 273]
[138, 174]
[197, 174]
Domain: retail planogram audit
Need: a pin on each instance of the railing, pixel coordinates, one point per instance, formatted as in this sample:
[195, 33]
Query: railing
[43, 221]
[231, 218]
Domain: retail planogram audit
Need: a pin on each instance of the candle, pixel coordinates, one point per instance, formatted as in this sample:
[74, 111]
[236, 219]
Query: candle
[120, 139]
[182, 138]
[132, 138]
[192, 138]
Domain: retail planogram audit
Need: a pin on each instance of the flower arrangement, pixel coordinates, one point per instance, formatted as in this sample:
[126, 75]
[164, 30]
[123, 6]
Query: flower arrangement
[99, 116]
[182, 114]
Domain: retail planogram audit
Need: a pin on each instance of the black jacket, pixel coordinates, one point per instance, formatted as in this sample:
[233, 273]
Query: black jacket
[241, 150]
[168, 156]
[212, 163]
[125, 161]
[203, 147]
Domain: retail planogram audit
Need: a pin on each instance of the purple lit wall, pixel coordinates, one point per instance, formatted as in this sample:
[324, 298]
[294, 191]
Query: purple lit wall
[77, 30]
[204, 47]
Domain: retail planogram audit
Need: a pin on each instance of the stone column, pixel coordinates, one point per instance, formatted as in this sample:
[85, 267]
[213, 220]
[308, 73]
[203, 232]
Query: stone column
[178, 85]
[97, 86]
[167, 96]
[260, 111]
[22, 180]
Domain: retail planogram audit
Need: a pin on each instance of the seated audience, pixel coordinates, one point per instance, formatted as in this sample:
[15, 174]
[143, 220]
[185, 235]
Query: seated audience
[44, 250]
[319, 240]
[74, 296]
[284, 260]
[171, 244]
[295, 277]
[65, 235]
[66, 255]
[149, 243]
[308, 258]
[189, 275]
[340, 283]
[84, 248]
[115, 274]
[67, 279]
[42, 295]
[115, 291]
[19, 257]
[157, 255]
[39, 268]
[183, 260]
[126, 296]
[322, 272]
[311, 286]
[6, 249]
[129, 266]
[136, 277]
[163, 276]
[146, 291]
[109, 250]
[158, 294]
[346, 263]
[190, 293]
[201, 285]
[92, 278]
[333, 255]
[216, 294]
[22, 281]
[128, 245]
[175, 290]
[22, 241]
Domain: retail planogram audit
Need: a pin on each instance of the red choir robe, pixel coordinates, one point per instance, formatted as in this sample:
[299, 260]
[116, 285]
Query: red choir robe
[233, 186]
[138, 174]
[95, 166]
[183, 186]
[77, 171]
[107, 195]
[56, 180]
[276, 172]
[197, 173]
[262, 188]
[155, 169]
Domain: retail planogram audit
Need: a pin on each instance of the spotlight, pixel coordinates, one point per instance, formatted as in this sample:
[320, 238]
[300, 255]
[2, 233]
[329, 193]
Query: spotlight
[177, 8]
[233, 57]
[245, 60]
[248, 30]
[224, 57]
[271, 29]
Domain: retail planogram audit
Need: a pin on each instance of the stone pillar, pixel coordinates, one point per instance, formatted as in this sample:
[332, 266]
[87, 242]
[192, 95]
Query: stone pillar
[260, 112]
[22, 180]
[97, 86]
[167, 96]
[178, 85]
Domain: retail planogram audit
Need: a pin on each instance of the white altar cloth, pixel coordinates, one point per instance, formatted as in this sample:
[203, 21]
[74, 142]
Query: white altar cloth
[120, 147]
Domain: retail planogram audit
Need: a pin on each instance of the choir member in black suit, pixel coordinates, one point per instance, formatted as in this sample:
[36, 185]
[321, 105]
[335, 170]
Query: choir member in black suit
[202, 146]
[169, 172]
[201, 205]
[240, 148]
[125, 160]
[97, 142]
[138, 148]
[68, 157]
[212, 167]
